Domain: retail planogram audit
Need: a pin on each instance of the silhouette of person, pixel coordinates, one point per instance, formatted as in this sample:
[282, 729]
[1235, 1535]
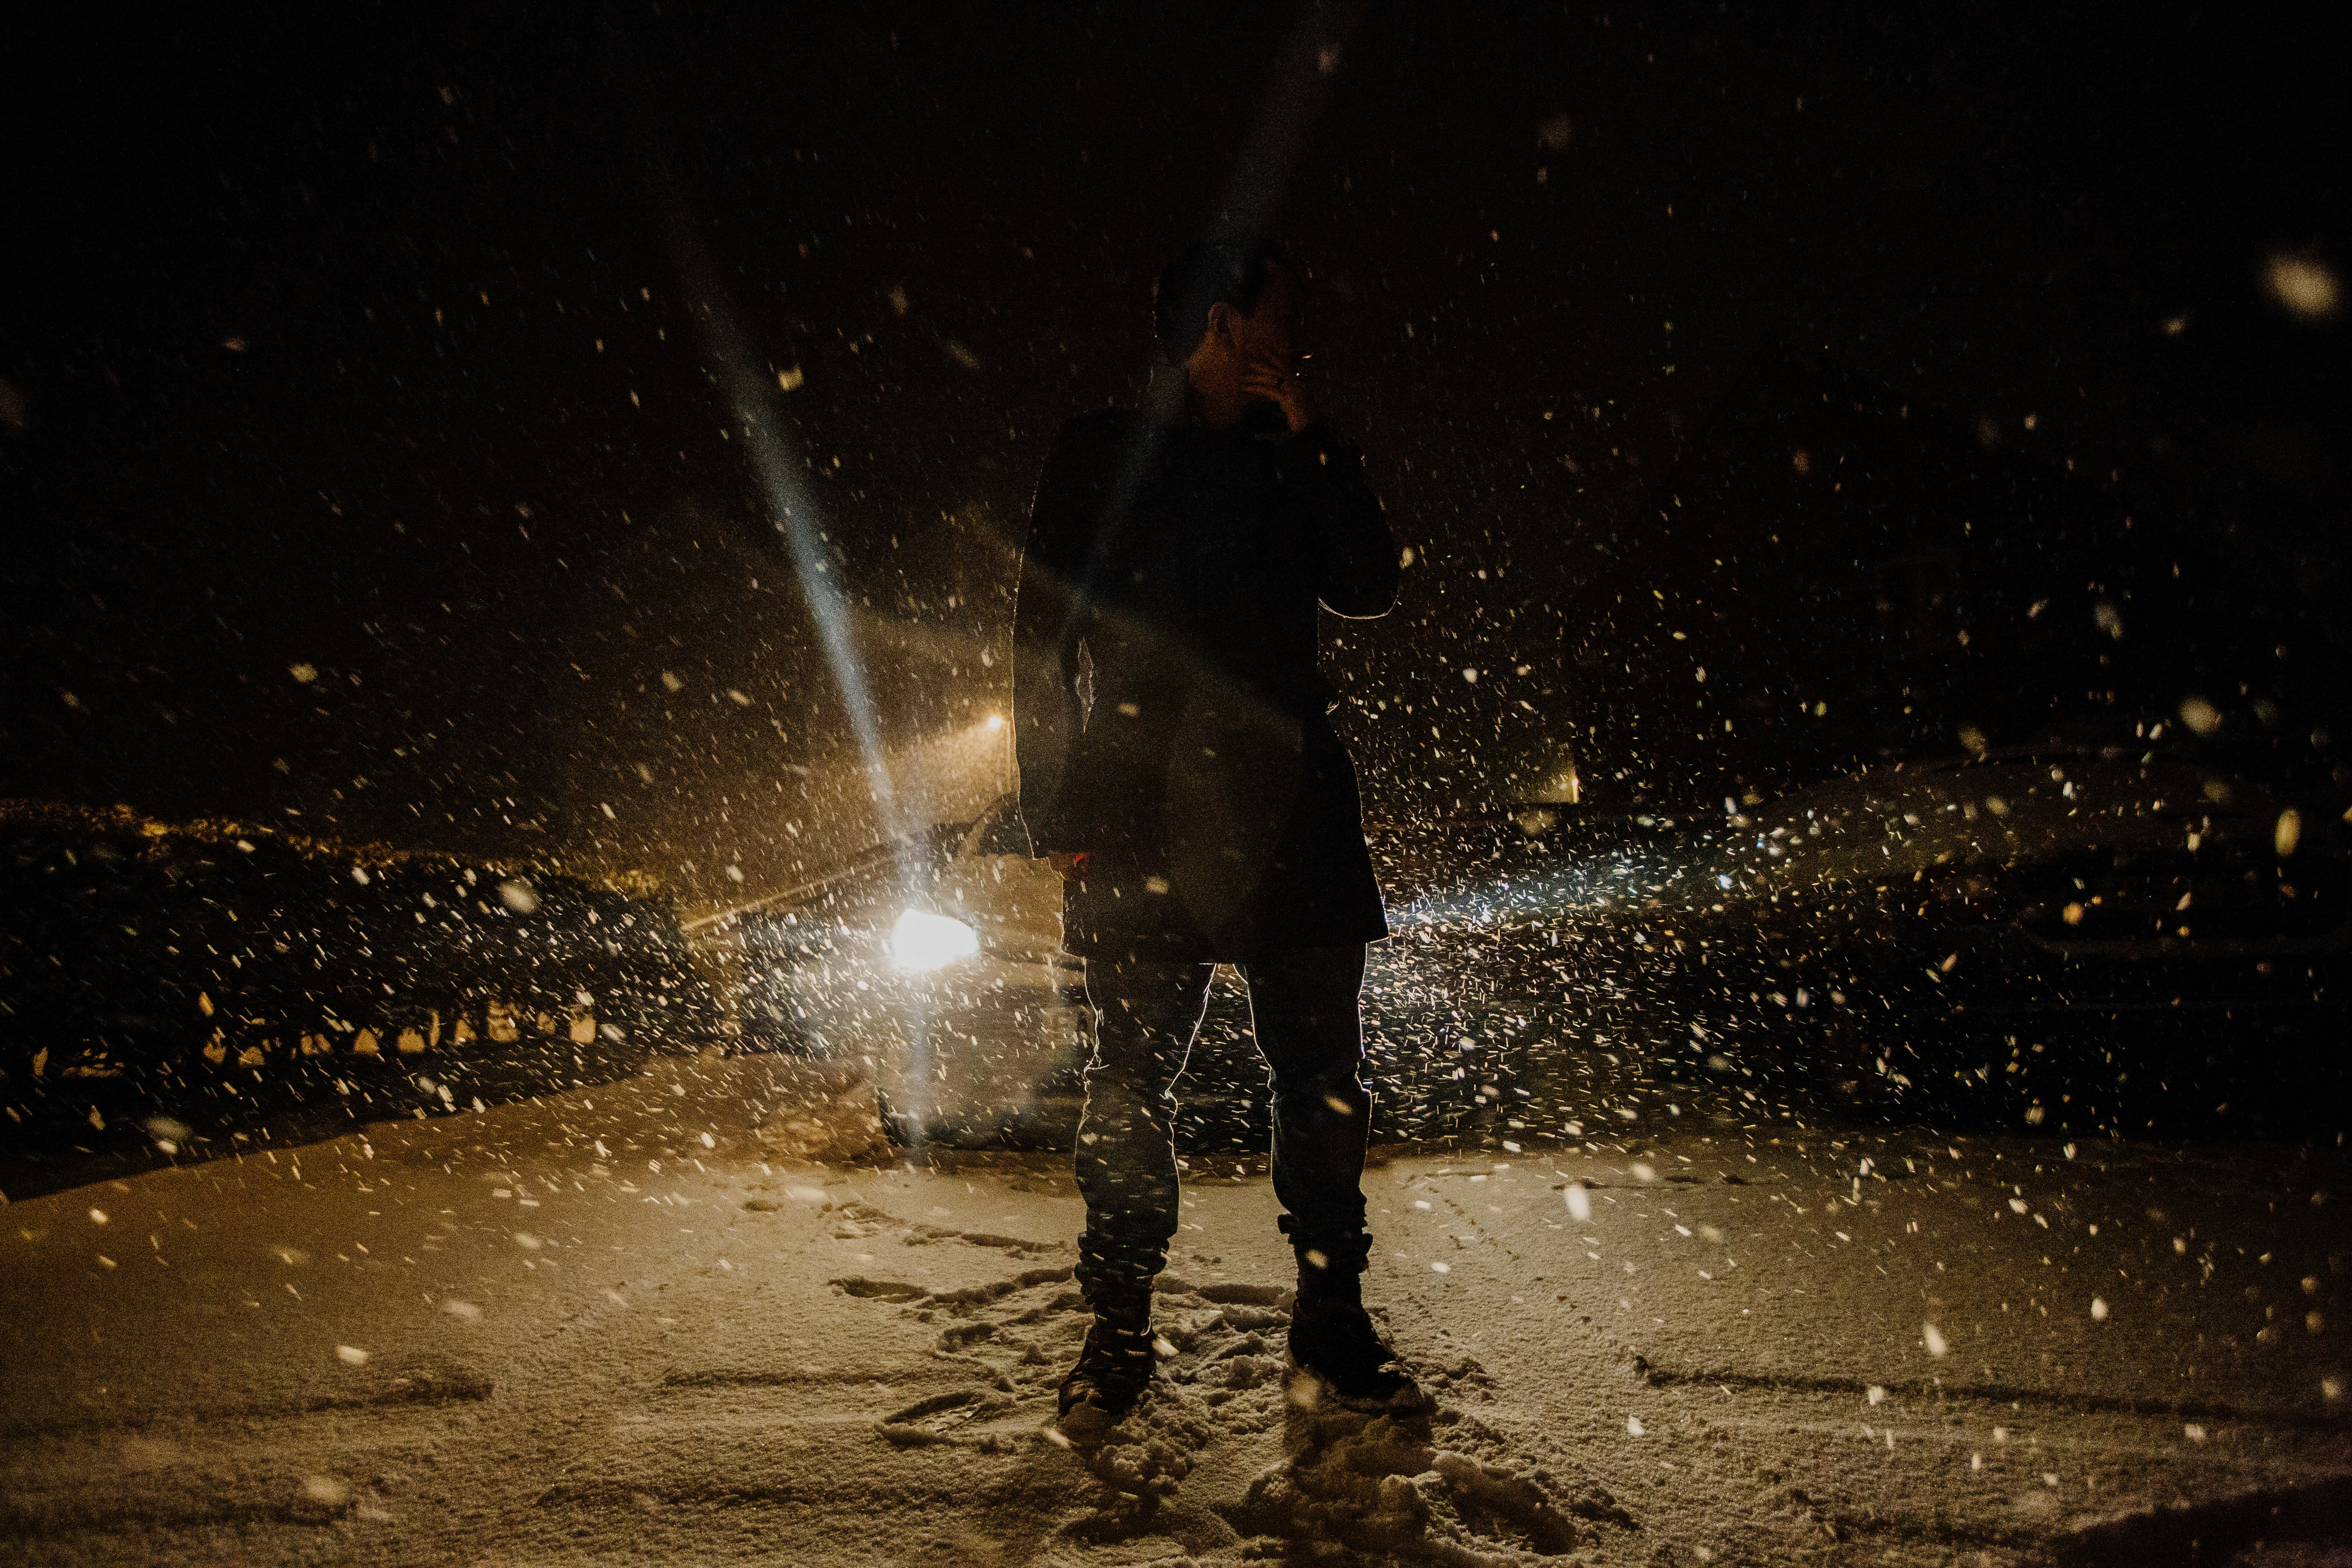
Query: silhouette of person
[1179, 766]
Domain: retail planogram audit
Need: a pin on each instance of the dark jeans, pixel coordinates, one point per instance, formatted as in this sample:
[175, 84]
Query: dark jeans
[1303, 1008]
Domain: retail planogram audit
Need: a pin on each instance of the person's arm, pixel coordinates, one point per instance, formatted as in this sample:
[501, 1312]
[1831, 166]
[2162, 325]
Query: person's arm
[1048, 619]
[1357, 567]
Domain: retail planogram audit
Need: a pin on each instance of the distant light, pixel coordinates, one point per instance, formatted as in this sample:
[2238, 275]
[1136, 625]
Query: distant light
[996, 720]
[2306, 287]
[922, 940]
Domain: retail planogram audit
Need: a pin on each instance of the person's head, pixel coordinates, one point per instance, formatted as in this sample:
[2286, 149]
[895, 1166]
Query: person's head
[1222, 303]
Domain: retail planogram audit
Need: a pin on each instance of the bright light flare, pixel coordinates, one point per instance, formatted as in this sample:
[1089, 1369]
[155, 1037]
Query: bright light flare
[921, 941]
[996, 720]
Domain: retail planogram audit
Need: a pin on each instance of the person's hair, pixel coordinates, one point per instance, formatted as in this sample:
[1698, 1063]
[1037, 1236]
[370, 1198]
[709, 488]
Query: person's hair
[1207, 273]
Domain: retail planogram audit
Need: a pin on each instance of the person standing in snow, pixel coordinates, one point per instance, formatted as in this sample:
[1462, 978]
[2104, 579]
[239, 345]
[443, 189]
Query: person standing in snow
[1178, 765]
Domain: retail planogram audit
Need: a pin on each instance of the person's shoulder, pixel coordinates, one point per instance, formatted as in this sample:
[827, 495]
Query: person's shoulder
[1318, 451]
[1321, 437]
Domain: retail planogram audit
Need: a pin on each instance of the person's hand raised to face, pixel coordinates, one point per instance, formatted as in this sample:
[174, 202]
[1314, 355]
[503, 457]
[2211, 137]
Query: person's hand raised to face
[1255, 357]
[1278, 382]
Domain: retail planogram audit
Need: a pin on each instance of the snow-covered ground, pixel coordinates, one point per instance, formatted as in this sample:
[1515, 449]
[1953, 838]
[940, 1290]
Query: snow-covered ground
[701, 1317]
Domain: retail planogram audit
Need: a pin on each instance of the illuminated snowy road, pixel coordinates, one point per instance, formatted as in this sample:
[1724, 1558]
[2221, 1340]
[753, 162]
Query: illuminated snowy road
[488, 1339]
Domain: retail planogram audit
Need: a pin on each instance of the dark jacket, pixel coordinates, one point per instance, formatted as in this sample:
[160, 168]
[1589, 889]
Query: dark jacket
[1169, 721]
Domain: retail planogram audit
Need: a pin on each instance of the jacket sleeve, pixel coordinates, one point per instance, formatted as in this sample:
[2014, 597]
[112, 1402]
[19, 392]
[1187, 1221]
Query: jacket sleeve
[1356, 568]
[1049, 619]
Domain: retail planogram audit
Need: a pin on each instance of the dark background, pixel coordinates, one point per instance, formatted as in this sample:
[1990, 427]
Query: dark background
[380, 344]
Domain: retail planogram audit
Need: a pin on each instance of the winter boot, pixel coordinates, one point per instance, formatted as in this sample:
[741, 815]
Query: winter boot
[1114, 1365]
[1332, 1337]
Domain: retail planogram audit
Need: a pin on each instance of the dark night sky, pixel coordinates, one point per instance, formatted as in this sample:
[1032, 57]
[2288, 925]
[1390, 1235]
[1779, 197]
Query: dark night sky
[364, 343]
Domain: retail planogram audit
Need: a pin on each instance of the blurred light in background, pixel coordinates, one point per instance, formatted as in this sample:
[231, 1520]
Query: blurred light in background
[922, 940]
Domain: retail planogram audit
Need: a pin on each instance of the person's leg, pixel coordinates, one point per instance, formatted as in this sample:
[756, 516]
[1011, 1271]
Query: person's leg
[1305, 1006]
[1305, 1010]
[1146, 1014]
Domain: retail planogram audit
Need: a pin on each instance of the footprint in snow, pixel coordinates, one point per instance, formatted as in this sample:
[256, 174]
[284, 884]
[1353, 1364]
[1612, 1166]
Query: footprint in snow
[1219, 1373]
[1218, 1378]
[855, 1219]
[1433, 1484]
[1429, 1484]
